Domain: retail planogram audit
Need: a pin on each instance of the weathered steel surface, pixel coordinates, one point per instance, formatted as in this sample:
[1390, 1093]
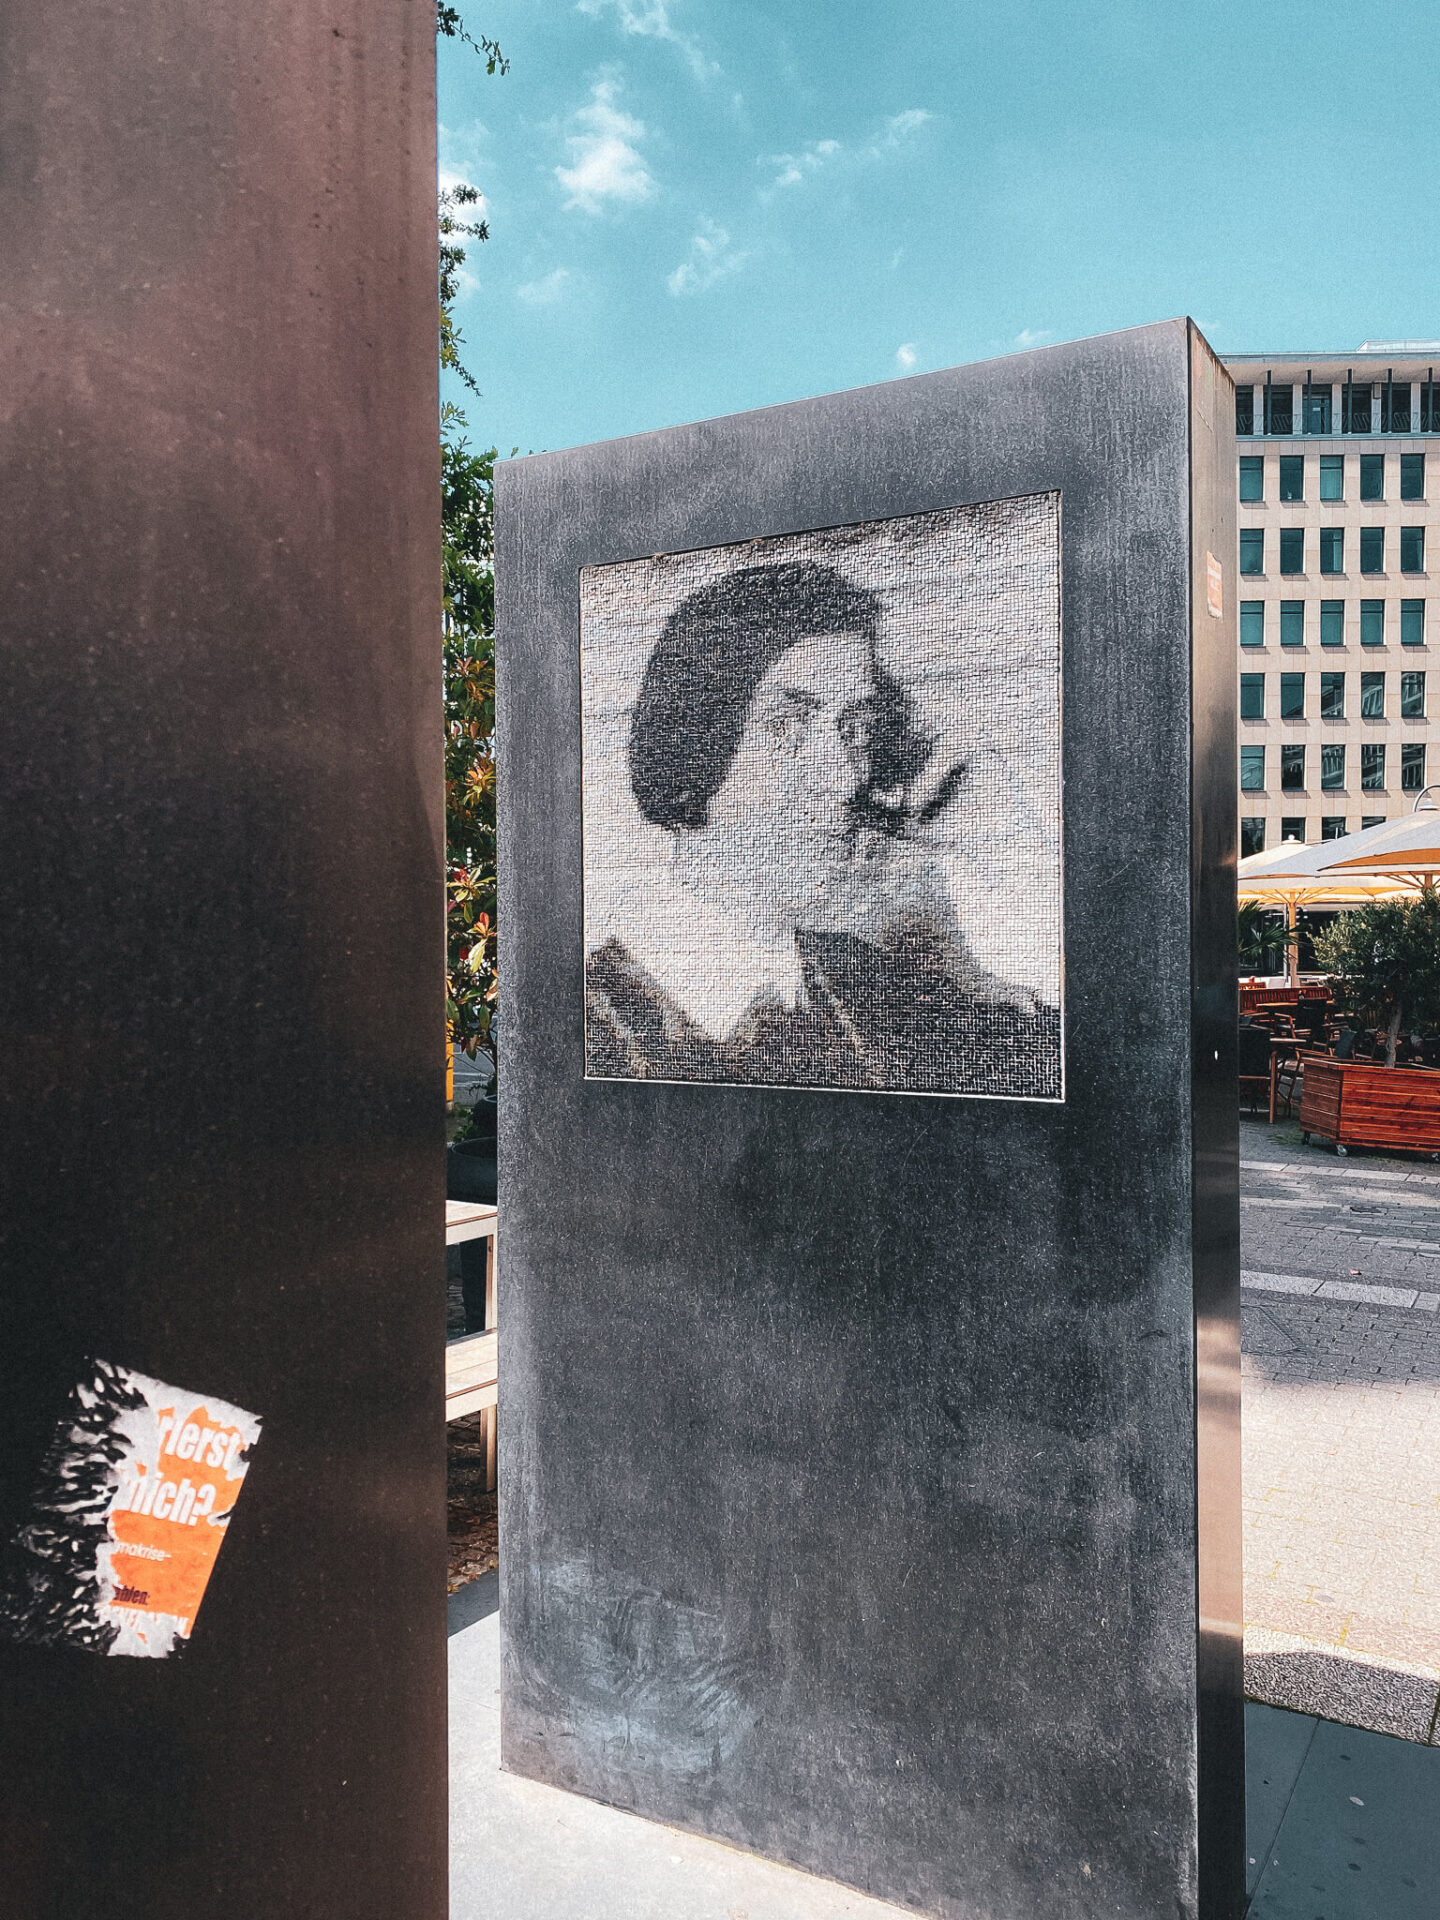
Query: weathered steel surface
[221, 911]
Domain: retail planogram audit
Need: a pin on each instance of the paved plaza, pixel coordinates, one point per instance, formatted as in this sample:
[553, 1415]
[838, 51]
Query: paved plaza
[1341, 1272]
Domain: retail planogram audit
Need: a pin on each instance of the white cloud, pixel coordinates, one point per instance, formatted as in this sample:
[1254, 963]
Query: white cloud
[711, 258]
[607, 164]
[544, 292]
[895, 133]
[906, 356]
[1032, 337]
[650, 20]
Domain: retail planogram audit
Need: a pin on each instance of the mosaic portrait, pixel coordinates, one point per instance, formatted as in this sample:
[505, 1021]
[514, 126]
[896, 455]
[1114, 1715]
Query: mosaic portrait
[822, 808]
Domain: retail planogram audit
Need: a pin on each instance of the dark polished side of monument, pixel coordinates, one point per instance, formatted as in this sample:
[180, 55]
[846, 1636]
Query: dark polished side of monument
[223, 1029]
[862, 1504]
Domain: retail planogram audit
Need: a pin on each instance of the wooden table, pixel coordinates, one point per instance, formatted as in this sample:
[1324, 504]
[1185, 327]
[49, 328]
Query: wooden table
[472, 1362]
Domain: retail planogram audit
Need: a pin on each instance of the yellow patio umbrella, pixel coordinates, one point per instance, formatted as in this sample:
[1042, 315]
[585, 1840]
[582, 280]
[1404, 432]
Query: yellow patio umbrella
[1402, 854]
[1303, 875]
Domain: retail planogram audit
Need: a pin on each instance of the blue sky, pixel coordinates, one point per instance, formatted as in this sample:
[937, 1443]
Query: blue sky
[699, 206]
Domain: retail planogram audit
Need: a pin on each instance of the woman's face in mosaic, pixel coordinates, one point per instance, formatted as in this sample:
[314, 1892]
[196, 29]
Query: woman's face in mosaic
[784, 810]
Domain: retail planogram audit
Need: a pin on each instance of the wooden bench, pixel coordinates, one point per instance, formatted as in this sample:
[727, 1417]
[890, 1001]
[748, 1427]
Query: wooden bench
[472, 1380]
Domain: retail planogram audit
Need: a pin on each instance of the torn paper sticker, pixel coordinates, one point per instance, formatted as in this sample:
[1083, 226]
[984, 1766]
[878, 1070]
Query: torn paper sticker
[134, 1498]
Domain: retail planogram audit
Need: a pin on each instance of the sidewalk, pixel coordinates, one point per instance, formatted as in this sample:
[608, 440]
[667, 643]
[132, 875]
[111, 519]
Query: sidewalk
[1341, 1335]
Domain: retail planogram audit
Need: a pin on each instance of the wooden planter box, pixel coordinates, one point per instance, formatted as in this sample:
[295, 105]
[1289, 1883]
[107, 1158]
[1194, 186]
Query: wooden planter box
[1359, 1105]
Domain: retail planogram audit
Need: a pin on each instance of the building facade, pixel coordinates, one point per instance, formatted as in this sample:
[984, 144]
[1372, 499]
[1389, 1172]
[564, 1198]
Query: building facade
[1339, 469]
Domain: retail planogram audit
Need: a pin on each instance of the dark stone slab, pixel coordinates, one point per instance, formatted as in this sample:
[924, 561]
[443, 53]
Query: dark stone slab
[850, 1465]
[222, 908]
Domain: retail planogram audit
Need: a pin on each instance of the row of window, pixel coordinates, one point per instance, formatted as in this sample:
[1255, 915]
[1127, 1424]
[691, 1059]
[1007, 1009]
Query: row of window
[1332, 623]
[1332, 768]
[1332, 827]
[1332, 549]
[1332, 476]
[1332, 696]
[1364, 406]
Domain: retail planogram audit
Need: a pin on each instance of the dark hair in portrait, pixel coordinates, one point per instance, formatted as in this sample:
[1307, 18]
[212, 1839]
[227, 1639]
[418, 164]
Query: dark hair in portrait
[714, 651]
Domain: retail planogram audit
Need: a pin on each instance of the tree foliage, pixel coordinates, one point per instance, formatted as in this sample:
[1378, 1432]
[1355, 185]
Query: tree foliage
[1258, 935]
[1384, 963]
[468, 639]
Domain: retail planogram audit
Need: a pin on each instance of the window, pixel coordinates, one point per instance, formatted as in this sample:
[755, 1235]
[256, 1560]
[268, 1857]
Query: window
[1252, 834]
[1332, 767]
[1252, 476]
[1332, 696]
[1332, 476]
[1292, 769]
[1412, 623]
[1372, 820]
[1355, 409]
[1279, 409]
[1244, 409]
[1395, 407]
[1372, 550]
[1292, 696]
[1332, 550]
[1252, 696]
[1292, 827]
[1412, 476]
[1372, 696]
[1429, 404]
[1332, 623]
[1292, 550]
[1252, 550]
[1332, 827]
[1292, 476]
[1292, 623]
[1252, 623]
[1412, 767]
[1252, 769]
[1412, 549]
[1372, 623]
[1372, 768]
[1372, 476]
[1316, 408]
[1412, 696]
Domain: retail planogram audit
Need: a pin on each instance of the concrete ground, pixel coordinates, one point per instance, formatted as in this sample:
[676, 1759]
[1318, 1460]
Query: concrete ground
[1340, 1267]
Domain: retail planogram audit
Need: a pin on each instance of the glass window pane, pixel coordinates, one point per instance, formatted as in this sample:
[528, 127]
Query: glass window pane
[1356, 407]
[1372, 696]
[1252, 476]
[1332, 767]
[1292, 476]
[1292, 696]
[1412, 767]
[1244, 409]
[1332, 476]
[1292, 623]
[1372, 623]
[1252, 550]
[1332, 623]
[1412, 549]
[1252, 696]
[1412, 623]
[1372, 550]
[1372, 767]
[1372, 476]
[1292, 550]
[1372, 820]
[1252, 769]
[1412, 476]
[1412, 696]
[1332, 827]
[1292, 769]
[1252, 623]
[1280, 409]
[1317, 408]
[1395, 407]
[1332, 696]
[1292, 827]
[1332, 550]
[1252, 834]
